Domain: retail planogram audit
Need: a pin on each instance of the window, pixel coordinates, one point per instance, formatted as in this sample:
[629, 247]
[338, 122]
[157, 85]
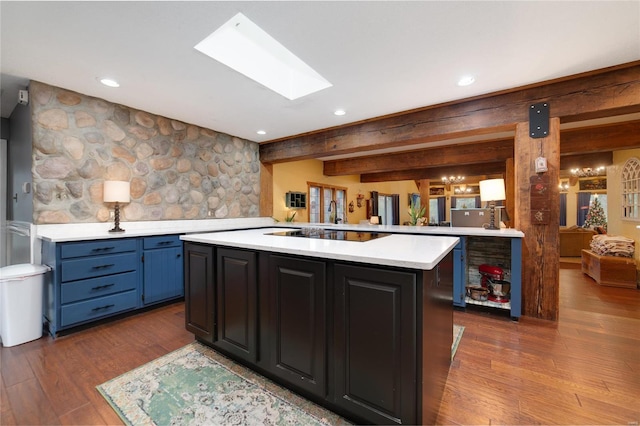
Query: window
[434, 214]
[631, 189]
[321, 209]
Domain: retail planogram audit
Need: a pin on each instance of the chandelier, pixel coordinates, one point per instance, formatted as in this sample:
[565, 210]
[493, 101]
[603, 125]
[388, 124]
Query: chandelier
[588, 171]
[452, 180]
[463, 189]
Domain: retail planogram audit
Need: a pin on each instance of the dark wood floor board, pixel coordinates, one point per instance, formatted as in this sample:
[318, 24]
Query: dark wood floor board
[30, 405]
[616, 413]
[582, 369]
[59, 372]
[6, 414]
[547, 412]
[14, 366]
[83, 415]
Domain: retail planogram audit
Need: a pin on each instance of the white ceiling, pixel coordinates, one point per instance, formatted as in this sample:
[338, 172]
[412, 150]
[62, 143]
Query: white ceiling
[381, 57]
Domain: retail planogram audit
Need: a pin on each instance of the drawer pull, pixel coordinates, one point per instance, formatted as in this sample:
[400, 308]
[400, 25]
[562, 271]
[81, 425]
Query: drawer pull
[109, 265]
[102, 308]
[102, 287]
[103, 248]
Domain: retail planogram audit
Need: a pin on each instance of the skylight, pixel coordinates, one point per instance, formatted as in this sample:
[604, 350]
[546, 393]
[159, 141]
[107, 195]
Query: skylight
[243, 46]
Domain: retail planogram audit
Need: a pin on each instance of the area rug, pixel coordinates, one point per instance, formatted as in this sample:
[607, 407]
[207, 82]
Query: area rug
[196, 385]
[457, 335]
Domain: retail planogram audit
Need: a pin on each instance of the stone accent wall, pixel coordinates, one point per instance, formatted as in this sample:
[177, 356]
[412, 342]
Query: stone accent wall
[176, 170]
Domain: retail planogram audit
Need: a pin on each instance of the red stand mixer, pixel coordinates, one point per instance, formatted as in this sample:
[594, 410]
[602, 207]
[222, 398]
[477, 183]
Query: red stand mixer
[492, 278]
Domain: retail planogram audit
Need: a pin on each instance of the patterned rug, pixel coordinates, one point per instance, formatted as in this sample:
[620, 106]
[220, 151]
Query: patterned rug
[457, 335]
[195, 385]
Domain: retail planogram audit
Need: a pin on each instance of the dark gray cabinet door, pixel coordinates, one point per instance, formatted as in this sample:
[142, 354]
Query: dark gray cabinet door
[236, 303]
[298, 321]
[375, 343]
[199, 282]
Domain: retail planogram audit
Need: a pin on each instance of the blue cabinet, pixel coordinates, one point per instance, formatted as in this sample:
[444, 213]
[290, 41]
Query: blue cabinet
[90, 280]
[162, 269]
[96, 279]
[461, 276]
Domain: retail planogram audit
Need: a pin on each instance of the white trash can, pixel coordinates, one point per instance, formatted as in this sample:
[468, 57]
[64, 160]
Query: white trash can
[21, 288]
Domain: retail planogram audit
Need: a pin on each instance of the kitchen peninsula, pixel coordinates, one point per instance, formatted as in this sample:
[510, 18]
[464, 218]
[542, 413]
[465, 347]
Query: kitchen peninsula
[359, 323]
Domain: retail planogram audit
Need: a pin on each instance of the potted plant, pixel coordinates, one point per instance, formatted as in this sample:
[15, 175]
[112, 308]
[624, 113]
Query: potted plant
[416, 212]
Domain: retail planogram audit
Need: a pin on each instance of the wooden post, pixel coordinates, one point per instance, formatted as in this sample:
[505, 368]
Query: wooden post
[540, 250]
[423, 187]
[266, 189]
[509, 182]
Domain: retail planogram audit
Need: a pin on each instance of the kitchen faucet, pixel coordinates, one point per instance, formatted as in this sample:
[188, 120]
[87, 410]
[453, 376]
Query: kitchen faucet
[335, 206]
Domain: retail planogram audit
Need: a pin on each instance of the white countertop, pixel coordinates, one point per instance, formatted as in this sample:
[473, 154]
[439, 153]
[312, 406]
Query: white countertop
[98, 231]
[426, 230]
[422, 252]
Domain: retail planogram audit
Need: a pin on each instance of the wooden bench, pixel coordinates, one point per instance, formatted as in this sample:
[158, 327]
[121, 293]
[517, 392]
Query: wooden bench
[610, 271]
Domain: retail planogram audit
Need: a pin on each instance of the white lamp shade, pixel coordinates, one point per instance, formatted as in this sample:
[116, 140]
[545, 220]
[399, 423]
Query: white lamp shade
[115, 190]
[492, 190]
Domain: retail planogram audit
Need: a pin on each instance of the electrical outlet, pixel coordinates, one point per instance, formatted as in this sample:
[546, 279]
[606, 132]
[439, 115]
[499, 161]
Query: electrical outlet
[112, 214]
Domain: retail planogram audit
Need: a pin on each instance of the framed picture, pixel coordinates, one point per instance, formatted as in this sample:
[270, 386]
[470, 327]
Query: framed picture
[436, 190]
[415, 198]
[593, 184]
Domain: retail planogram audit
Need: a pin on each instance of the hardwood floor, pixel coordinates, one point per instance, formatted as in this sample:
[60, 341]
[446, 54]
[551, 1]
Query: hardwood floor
[583, 369]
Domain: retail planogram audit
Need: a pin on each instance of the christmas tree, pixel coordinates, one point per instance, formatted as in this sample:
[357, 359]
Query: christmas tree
[595, 216]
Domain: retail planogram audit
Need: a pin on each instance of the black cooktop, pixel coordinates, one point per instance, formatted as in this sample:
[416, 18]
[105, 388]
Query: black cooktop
[332, 234]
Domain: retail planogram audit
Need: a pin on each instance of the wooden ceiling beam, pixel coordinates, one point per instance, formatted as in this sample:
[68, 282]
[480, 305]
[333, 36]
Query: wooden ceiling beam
[592, 160]
[574, 142]
[448, 155]
[609, 137]
[435, 174]
[600, 93]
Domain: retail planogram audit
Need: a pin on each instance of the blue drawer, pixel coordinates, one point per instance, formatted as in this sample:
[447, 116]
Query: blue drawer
[162, 242]
[92, 248]
[95, 287]
[97, 308]
[97, 266]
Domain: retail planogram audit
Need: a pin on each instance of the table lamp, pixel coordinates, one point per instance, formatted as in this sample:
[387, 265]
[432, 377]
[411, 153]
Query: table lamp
[118, 192]
[492, 190]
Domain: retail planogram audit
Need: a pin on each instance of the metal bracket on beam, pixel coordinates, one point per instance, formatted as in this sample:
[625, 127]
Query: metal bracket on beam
[539, 120]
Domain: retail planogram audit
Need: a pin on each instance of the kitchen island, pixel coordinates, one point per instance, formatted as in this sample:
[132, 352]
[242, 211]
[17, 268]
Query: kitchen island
[361, 324]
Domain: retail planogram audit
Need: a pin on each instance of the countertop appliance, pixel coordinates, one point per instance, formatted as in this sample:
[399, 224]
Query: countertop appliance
[330, 234]
[475, 217]
[492, 278]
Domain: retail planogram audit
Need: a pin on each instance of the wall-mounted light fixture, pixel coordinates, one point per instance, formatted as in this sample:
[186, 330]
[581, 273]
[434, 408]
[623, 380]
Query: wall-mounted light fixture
[492, 190]
[116, 191]
[588, 171]
[452, 180]
[463, 189]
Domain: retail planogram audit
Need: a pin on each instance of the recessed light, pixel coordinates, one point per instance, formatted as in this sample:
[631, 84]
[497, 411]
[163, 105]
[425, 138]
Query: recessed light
[261, 132]
[339, 112]
[246, 48]
[466, 80]
[109, 82]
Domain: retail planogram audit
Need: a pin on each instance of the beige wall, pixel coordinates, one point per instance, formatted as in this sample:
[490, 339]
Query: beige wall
[615, 224]
[293, 176]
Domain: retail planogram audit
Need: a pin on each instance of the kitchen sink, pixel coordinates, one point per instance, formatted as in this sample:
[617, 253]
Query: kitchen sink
[331, 234]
